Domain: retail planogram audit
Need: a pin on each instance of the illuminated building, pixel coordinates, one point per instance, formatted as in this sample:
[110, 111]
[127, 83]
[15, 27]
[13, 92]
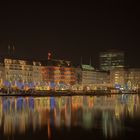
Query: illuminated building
[118, 76]
[1, 73]
[101, 77]
[87, 74]
[18, 70]
[22, 71]
[111, 59]
[37, 75]
[134, 78]
[128, 78]
[59, 72]
[44, 73]
[37, 72]
[78, 73]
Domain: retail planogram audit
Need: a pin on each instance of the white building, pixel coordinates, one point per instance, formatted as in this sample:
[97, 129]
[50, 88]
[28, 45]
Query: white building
[22, 71]
[101, 77]
[18, 70]
[87, 74]
[1, 73]
[37, 72]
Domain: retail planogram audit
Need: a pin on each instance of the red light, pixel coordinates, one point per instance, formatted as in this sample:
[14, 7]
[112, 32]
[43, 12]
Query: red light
[49, 56]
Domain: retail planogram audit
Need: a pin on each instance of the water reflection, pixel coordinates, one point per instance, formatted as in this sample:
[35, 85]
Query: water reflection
[19, 115]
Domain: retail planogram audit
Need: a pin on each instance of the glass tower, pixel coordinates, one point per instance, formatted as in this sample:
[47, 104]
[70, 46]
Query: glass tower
[111, 59]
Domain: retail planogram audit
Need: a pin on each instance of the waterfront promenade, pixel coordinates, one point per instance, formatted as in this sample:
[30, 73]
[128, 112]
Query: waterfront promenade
[64, 93]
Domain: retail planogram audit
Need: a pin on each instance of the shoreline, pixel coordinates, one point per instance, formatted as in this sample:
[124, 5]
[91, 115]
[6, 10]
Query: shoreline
[59, 94]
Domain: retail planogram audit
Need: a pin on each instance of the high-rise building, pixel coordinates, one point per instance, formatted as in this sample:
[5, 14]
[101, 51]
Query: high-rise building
[111, 59]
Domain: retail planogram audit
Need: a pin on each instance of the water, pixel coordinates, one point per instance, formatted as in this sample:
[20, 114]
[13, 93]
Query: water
[77, 117]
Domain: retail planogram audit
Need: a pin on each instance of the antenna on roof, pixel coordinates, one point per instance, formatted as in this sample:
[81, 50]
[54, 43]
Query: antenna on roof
[9, 49]
[13, 50]
[90, 61]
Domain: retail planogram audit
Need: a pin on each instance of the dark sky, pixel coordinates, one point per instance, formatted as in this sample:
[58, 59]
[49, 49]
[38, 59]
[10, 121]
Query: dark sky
[71, 29]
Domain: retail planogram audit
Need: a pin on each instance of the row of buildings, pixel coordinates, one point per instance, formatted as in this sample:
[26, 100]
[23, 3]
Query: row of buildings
[24, 71]
[52, 72]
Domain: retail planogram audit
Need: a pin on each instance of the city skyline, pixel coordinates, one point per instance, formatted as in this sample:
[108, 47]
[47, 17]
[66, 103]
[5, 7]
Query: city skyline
[69, 70]
[12, 54]
[70, 31]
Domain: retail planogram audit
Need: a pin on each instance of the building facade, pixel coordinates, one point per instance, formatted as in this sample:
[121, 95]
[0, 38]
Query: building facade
[111, 59]
[128, 78]
[78, 73]
[134, 78]
[37, 72]
[18, 70]
[59, 72]
[118, 77]
[101, 77]
[15, 71]
[87, 74]
[1, 73]
[87, 78]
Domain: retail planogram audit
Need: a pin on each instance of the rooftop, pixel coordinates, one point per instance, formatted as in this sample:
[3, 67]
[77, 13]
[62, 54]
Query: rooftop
[87, 67]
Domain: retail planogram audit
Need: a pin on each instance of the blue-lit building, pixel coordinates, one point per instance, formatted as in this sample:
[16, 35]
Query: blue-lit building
[127, 78]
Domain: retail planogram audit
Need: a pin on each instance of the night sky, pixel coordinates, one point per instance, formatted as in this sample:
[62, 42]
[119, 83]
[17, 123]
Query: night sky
[71, 29]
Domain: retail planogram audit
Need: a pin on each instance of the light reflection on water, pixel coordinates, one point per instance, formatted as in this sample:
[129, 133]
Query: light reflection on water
[18, 115]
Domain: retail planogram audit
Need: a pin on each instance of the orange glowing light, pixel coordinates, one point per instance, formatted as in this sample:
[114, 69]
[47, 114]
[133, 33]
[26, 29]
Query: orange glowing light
[49, 130]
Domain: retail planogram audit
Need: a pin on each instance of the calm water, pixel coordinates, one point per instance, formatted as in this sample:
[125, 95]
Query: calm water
[77, 117]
